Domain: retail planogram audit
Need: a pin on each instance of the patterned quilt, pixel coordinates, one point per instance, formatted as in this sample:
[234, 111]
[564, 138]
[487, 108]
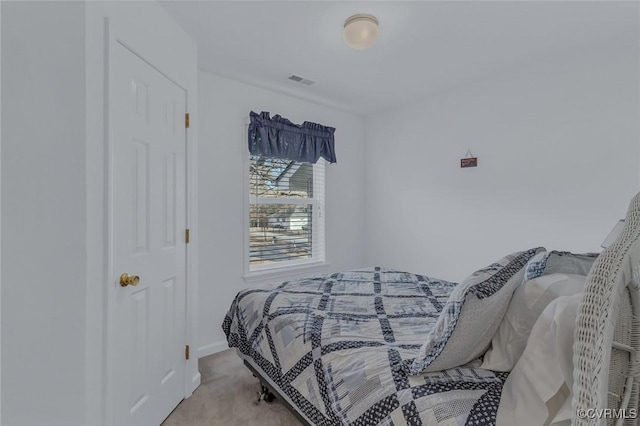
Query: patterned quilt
[334, 345]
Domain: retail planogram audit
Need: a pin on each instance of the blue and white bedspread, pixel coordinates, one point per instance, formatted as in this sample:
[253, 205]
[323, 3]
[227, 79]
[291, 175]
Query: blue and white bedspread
[332, 344]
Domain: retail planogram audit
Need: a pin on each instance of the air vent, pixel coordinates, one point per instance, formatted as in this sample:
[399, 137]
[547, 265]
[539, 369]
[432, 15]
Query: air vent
[301, 80]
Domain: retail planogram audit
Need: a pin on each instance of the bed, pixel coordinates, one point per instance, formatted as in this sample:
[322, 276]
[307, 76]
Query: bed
[383, 347]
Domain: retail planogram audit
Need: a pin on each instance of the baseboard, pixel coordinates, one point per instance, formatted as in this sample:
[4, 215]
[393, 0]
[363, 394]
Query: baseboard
[212, 348]
[195, 381]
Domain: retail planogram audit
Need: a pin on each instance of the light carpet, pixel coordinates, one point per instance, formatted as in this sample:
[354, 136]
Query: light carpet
[228, 396]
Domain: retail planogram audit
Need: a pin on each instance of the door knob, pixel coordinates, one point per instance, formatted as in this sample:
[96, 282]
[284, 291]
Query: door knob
[126, 279]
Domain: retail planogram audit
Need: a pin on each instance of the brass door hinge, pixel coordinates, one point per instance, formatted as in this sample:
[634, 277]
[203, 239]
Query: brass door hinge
[186, 120]
[186, 352]
[187, 236]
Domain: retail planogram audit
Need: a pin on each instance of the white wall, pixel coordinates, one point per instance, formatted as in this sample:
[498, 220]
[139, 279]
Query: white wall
[43, 213]
[558, 149]
[224, 109]
[0, 210]
[53, 190]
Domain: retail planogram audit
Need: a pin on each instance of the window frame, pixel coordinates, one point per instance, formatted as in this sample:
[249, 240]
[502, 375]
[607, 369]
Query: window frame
[283, 269]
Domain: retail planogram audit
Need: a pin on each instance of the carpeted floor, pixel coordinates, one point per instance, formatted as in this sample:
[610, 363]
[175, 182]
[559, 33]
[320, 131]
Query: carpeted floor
[228, 397]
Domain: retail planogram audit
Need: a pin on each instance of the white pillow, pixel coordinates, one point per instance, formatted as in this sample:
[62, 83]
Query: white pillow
[538, 390]
[527, 303]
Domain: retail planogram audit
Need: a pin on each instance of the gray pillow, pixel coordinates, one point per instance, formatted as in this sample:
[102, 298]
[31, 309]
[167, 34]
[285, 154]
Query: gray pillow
[564, 262]
[559, 262]
[471, 315]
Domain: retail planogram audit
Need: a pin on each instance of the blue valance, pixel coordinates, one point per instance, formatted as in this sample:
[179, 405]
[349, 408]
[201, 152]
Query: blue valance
[280, 138]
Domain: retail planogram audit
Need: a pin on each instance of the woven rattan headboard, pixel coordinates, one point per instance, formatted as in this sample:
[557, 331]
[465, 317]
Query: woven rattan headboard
[607, 342]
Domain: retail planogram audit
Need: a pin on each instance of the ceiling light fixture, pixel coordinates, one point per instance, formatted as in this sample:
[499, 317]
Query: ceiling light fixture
[360, 31]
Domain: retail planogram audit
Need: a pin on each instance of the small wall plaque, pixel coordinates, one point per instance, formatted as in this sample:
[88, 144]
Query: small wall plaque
[469, 162]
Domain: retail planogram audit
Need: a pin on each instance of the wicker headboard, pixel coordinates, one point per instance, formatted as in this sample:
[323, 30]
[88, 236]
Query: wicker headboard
[606, 349]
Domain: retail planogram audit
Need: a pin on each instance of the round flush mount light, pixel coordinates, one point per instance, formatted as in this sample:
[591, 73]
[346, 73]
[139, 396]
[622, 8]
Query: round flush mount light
[360, 31]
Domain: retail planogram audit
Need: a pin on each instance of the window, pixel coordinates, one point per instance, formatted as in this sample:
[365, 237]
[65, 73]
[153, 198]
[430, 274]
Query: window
[286, 221]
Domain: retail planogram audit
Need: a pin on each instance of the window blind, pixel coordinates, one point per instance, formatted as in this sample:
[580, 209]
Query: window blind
[286, 221]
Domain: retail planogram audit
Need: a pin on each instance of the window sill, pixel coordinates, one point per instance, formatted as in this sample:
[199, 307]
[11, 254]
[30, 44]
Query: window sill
[285, 272]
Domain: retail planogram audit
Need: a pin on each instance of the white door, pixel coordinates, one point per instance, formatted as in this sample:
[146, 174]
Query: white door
[148, 135]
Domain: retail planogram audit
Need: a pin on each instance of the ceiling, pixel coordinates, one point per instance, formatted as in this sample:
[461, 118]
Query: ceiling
[424, 46]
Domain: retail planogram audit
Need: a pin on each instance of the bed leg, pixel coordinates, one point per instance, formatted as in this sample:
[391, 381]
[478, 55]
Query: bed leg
[265, 394]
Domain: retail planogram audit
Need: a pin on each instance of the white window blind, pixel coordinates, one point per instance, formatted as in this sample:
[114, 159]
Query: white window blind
[286, 212]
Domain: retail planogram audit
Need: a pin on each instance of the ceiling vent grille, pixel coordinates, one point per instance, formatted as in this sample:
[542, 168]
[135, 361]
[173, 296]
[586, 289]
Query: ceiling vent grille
[301, 80]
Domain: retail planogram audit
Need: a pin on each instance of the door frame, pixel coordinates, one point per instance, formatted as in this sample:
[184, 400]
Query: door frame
[174, 54]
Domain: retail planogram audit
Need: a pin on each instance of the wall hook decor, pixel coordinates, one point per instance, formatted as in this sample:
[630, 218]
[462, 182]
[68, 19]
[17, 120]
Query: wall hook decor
[469, 160]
